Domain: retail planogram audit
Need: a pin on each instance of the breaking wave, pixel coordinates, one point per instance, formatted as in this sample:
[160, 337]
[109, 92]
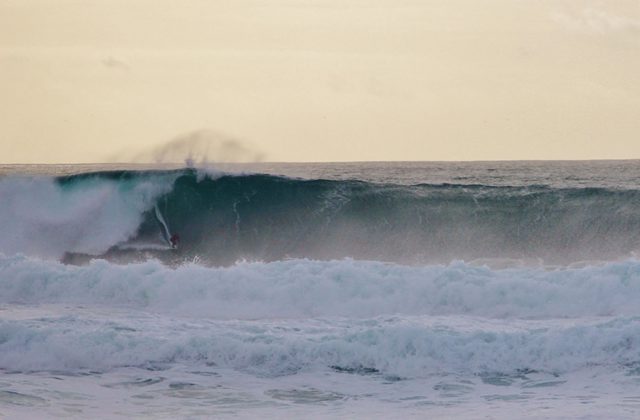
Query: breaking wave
[402, 347]
[297, 289]
[224, 218]
[352, 316]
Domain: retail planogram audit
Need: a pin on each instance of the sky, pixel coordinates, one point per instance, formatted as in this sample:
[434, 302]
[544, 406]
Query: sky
[85, 81]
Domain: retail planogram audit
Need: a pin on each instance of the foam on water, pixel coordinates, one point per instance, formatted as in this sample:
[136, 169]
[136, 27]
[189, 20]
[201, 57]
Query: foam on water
[346, 288]
[79, 339]
[359, 294]
[41, 217]
[277, 318]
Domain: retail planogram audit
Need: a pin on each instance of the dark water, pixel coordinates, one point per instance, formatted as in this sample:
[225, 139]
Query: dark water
[555, 213]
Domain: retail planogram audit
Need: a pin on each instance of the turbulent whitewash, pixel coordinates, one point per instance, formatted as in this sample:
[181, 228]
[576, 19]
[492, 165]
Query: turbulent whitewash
[419, 290]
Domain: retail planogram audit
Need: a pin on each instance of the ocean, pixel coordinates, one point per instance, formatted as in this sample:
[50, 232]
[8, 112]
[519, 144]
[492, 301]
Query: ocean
[346, 290]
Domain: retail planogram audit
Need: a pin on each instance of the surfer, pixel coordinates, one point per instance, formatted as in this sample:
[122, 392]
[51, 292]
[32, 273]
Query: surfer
[175, 238]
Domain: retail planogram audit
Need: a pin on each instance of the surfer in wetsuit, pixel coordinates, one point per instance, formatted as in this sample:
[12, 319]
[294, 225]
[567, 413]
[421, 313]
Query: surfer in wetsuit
[175, 238]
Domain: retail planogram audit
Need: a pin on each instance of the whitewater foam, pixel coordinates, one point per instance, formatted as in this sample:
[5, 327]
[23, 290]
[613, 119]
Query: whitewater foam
[401, 346]
[304, 288]
[310, 297]
[42, 217]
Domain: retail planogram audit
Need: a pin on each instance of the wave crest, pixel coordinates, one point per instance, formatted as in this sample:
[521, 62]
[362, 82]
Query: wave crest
[225, 218]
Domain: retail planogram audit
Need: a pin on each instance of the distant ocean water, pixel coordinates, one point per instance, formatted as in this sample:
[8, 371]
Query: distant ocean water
[353, 290]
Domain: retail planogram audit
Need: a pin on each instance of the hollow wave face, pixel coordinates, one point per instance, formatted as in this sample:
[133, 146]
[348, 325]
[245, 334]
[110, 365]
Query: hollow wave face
[222, 219]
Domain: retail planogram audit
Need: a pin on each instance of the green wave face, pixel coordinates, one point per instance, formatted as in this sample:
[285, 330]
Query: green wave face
[228, 218]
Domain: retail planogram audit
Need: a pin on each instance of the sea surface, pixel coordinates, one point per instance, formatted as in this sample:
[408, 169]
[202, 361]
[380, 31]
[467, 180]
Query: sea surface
[348, 290]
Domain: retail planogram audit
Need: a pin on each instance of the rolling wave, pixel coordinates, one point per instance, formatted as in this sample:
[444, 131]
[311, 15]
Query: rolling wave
[399, 346]
[298, 289]
[224, 218]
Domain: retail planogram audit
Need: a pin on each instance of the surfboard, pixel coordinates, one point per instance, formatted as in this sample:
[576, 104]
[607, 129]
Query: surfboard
[166, 234]
[144, 246]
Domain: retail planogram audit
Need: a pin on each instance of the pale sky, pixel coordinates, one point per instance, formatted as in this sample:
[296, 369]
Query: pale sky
[321, 80]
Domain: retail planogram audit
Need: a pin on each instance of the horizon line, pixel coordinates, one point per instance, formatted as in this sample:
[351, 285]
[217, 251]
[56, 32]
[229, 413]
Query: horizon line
[328, 162]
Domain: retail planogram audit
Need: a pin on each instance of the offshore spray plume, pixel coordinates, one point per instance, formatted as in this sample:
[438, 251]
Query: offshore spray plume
[205, 146]
[199, 147]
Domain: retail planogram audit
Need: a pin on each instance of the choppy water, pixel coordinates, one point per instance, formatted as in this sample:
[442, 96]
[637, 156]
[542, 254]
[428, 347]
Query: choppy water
[458, 290]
